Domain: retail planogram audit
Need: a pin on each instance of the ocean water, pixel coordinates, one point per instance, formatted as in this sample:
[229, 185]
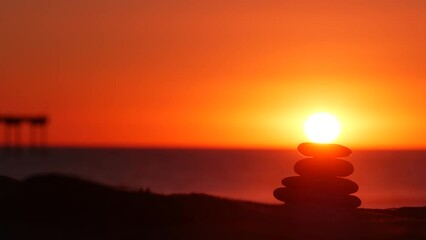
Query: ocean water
[386, 178]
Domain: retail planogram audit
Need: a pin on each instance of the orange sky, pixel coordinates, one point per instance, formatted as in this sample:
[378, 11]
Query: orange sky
[214, 73]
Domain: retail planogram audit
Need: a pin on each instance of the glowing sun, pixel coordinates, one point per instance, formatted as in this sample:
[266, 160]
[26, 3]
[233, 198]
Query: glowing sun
[322, 127]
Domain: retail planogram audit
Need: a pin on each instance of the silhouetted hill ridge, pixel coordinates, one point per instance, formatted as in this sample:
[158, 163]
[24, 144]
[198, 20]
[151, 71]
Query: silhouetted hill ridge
[55, 206]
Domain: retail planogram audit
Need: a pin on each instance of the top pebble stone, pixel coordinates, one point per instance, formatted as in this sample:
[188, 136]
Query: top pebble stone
[323, 150]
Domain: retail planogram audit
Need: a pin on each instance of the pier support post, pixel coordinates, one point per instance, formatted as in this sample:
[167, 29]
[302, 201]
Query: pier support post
[13, 135]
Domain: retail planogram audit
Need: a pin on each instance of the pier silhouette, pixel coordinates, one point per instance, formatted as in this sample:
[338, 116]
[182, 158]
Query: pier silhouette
[13, 134]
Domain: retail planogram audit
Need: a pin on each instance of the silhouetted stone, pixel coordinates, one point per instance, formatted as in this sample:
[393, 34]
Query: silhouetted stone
[323, 150]
[323, 167]
[298, 197]
[321, 184]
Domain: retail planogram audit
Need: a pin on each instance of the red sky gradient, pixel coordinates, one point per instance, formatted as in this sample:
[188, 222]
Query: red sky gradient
[216, 73]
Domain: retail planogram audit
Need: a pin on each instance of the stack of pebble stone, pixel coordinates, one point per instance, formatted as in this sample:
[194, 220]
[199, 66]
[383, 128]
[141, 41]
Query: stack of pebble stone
[320, 183]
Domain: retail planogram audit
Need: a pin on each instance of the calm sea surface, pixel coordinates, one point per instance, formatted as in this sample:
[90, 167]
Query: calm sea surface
[386, 178]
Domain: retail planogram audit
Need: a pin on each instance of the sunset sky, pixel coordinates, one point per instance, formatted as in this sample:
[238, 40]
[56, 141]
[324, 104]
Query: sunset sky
[216, 73]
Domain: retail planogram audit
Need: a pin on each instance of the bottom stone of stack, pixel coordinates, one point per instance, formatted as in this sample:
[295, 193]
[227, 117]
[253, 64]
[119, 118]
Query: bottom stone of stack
[298, 197]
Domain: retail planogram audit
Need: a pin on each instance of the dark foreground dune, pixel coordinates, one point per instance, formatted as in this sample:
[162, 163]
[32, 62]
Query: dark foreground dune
[61, 207]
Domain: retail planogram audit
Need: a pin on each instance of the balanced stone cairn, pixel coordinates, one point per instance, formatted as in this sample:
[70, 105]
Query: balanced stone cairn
[320, 183]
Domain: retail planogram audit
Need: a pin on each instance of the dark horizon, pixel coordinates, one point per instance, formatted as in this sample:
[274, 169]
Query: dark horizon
[249, 174]
[171, 147]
